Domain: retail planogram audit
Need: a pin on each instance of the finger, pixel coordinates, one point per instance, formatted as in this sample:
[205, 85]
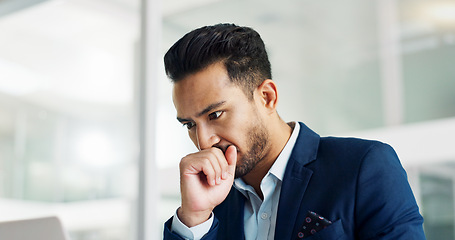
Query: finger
[222, 162]
[231, 157]
[216, 158]
[209, 172]
[194, 164]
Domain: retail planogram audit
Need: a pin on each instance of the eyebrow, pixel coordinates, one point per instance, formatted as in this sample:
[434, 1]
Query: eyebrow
[205, 111]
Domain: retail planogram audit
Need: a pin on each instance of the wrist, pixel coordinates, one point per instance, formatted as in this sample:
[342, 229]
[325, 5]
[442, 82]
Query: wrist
[191, 219]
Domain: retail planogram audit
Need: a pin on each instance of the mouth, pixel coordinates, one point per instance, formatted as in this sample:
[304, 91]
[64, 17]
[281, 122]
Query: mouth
[224, 148]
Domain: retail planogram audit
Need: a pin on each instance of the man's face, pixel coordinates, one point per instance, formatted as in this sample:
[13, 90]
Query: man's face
[217, 113]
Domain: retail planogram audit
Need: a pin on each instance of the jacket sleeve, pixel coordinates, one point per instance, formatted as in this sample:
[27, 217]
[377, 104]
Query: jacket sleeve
[211, 235]
[386, 207]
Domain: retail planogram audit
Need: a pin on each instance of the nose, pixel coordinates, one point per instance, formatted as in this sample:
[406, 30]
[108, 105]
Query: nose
[206, 138]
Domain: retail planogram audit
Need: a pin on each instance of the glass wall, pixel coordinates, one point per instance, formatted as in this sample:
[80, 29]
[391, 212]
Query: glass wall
[427, 35]
[68, 125]
[437, 183]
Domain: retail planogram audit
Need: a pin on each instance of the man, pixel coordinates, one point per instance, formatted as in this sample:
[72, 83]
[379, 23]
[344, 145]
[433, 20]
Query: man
[258, 177]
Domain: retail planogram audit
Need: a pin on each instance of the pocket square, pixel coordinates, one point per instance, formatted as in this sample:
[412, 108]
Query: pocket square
[313, 223]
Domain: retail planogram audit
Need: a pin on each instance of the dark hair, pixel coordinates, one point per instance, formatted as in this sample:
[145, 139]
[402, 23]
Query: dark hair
[241, 49]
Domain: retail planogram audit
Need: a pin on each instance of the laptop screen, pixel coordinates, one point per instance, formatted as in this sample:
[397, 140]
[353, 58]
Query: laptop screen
[46, 228]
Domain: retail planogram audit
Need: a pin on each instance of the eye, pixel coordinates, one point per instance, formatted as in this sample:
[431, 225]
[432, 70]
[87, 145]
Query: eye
[215, 115]
[189, 125]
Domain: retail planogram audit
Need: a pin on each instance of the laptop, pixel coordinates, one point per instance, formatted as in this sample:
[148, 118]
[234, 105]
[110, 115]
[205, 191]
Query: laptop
[45, 228]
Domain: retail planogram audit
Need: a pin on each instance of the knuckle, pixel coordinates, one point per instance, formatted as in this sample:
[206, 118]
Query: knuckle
[207, 161]
[184, 160]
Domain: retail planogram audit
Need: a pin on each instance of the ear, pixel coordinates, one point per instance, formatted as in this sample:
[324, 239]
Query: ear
[268, 94]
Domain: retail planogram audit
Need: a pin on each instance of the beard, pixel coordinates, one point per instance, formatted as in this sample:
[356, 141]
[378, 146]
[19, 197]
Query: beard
[257, 140]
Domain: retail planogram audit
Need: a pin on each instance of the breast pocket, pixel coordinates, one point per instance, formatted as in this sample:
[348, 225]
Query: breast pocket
[333, 232]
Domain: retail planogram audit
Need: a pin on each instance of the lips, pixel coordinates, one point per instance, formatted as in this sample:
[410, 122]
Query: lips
[224, 148]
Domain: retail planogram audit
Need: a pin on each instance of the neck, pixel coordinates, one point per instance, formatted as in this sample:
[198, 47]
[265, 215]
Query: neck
[279, 136]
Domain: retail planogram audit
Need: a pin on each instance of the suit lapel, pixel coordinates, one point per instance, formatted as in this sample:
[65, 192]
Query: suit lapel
[295, 182]
[230, 214]
[290, 201]
[236, 217]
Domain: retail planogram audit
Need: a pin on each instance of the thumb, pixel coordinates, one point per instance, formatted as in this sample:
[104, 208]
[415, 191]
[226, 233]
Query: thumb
[231, 156]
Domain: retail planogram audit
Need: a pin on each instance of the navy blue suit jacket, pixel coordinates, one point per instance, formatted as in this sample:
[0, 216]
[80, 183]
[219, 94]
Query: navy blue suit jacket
[359, 185]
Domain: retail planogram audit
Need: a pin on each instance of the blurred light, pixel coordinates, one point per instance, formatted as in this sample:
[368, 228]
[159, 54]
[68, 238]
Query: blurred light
[103, 79]
[18, 80]
[442, 12]
[94, 149]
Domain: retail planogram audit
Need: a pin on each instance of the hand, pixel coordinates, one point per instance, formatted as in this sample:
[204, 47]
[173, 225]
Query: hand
[206, 178]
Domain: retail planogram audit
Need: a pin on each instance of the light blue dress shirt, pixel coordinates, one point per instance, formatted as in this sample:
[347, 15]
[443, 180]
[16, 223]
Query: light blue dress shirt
[259, 215]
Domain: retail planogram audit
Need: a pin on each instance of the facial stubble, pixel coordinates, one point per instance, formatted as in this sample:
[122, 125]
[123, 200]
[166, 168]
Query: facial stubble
[258, 140]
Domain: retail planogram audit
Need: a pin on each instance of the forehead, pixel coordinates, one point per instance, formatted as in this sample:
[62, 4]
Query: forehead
[208, 86]
[212, 77]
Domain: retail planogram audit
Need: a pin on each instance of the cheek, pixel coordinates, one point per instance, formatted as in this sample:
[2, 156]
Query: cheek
[193, 138]
[239, 126]
[238, 135]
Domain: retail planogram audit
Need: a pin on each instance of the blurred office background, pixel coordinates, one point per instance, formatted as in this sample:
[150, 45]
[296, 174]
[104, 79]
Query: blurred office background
[75, 142]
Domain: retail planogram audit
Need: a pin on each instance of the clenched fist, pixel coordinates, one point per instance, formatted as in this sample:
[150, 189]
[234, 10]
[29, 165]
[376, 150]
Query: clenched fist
[206, 178]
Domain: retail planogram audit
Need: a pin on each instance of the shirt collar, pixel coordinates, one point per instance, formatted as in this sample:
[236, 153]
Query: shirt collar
[279, 166]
